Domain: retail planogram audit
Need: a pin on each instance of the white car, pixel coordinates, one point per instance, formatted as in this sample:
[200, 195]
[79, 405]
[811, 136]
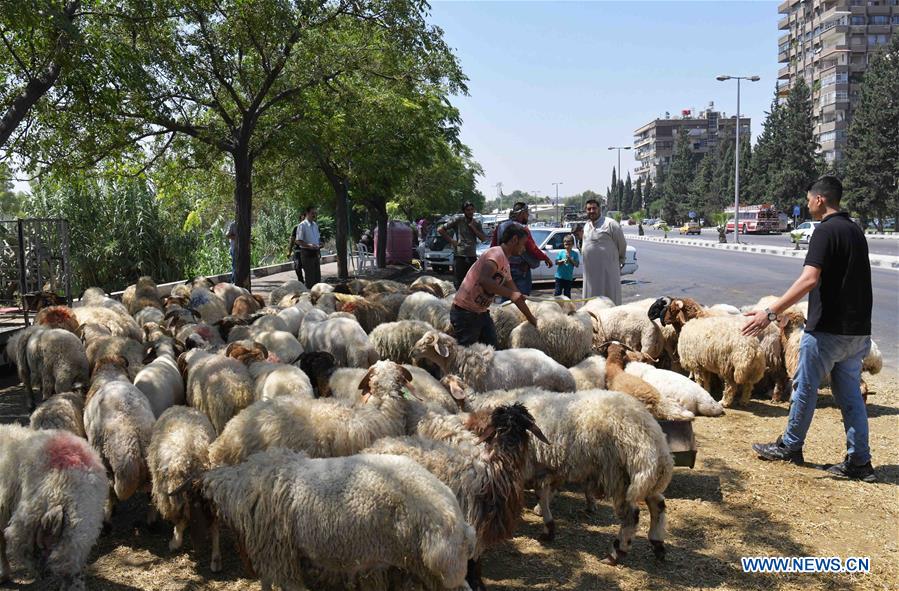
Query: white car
[806, 229]
[550, 241]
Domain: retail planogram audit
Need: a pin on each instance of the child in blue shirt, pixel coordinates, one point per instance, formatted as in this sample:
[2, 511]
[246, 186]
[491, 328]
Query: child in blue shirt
[565, 264]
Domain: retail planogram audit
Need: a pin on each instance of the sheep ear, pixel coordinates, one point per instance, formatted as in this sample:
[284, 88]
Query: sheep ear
[364, 385]
[488, 434]
[261, 348]
[455, 387]
[407, 375]
[230, 348]
[50, 528]
[441, 348]
[681, 317]
[149, 354]
[79, 332]
[122, 360]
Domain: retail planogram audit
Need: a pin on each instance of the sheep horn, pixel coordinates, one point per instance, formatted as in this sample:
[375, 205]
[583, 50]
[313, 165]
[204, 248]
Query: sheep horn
[489, 432]
[533, 428]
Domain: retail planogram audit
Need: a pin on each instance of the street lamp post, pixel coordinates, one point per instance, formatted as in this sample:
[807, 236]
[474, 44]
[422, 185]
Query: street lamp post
[620, 182]
[557, 201]
[723, 78]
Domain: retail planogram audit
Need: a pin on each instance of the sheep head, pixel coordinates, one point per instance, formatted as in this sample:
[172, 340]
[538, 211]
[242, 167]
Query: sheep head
[319, 366]
[434, 347]
[247, 354]
[57, 317]
[386, 377]
[457, 388]
[675, 312]
[509, 425]
[114, 363]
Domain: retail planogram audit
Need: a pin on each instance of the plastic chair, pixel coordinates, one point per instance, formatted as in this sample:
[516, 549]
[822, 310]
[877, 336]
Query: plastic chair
[364, 260]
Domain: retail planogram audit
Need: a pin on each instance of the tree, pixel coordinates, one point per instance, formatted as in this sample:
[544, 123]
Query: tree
[638, 195]
[677, 181]
[10, 200]
[703, 189]
[628, 204]
[227, 77]
[613, 194]
[41, 40]
[872, 153]
[767, 151]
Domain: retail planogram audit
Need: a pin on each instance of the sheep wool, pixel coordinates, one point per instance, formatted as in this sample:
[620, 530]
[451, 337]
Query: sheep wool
[395, 340]
[341, 337]
[218, 386]
[677, 387]
[300, 518]
[566, 339]
[177, 458]
[606, 441]
[53, 489]
[119, 325]
[118, 421]
[322, 427]
[426, 307]
[63, 411]
[50, 359]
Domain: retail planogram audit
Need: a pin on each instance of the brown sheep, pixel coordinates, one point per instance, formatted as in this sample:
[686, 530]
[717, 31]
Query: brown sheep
[57, 317]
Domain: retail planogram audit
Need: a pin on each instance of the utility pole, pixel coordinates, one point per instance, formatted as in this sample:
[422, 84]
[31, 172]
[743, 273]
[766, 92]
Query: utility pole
[557, 202]
[723, 78]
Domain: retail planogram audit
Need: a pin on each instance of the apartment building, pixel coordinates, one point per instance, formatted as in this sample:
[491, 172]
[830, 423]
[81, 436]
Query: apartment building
[829, 44]
[654, 141]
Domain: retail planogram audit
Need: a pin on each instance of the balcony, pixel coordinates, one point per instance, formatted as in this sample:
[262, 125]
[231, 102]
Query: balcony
[784, 24]
[832, 51]
[784, 73]
[784, 7]
[783, 57]
[783, 39]
[642, 142]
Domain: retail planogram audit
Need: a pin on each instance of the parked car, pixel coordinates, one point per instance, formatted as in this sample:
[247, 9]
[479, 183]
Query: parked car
[806, 229]
[550, 241]
[659, 223]
[438, 252]
[690, 227]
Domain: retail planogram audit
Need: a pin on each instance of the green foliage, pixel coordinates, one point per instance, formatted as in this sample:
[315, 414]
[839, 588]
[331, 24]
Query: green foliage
[676, 185]
[720, 219]
[10, 200]
[872, 153]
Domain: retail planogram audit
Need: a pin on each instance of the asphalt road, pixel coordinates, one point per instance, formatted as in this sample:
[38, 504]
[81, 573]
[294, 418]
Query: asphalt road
[717, 276]
[875, 246]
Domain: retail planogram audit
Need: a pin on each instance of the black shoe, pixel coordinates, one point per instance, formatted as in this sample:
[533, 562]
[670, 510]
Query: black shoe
[778, 451]
[849, 471]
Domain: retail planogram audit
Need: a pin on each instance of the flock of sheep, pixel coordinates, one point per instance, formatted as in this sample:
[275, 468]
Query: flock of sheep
[315, 428]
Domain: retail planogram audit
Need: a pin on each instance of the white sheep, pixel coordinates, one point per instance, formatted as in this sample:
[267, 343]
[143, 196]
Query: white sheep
[395, 340]
[160, 380]
[148, 315]
[302, 520]
[446, 288]
[678, 387]
[178, 457]
[64, 411]
[505, 319]
[118, 421]
[53, 490]
[590, 373]
[481, 457]
[425, 307]
[292, 316]
[50, 359]
[322, 427]
[271, 379]
[145, 295]
[228, 292]
[283, 344]
[711, 345]
[606, 441]
[217, 385]
[341, 337]
[568, 339]
[94, 296]
[485, 369]
[630, 325]
[119, 325]
[132, 350]
[289, 288]
[210, 306]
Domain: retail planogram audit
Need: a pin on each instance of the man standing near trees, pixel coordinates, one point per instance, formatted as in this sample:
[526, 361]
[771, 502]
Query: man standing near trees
[468, 233]
[604, 250]
[837, 336]
[296, 252]
[308, 239]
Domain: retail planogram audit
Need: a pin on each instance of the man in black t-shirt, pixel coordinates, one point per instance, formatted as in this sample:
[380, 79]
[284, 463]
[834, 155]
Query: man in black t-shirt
[837, 277]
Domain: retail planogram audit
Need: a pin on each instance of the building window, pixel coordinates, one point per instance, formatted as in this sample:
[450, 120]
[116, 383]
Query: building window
[879, 20]
[896, 18]
[858, 20]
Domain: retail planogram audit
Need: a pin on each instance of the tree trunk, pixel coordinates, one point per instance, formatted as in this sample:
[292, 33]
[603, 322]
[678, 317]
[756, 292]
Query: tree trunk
[341, 230]
[243, 206]
[39, 85]
[381, 254]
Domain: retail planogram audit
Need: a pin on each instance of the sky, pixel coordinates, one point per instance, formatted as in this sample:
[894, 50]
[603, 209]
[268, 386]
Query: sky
[553, 84]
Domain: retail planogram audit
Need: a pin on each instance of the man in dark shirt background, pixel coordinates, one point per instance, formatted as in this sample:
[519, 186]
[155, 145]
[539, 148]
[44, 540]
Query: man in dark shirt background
[837, 277]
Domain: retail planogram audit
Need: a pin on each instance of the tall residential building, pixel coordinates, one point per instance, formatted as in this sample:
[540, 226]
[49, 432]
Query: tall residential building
[829, 43]
[654, 142]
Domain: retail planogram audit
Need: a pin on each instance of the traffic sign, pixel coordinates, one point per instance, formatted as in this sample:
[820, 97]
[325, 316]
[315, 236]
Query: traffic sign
[796, 211]
[692, 214]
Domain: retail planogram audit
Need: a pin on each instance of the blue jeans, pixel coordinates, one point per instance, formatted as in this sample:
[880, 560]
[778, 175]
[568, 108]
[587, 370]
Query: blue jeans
[563, 287]
[822, 353]
[470, 327]
[521, 275]
[233, 263]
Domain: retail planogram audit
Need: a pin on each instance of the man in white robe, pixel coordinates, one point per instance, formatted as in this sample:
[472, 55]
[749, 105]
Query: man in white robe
[603, 252]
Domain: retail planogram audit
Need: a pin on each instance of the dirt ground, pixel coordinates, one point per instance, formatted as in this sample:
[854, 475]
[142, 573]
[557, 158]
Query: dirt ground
[730, 505]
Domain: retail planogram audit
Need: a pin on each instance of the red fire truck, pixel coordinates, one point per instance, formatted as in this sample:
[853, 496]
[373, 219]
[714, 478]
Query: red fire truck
[754, 219]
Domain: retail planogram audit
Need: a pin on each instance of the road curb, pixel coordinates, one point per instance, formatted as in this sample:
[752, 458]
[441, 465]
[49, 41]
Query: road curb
[880, 261]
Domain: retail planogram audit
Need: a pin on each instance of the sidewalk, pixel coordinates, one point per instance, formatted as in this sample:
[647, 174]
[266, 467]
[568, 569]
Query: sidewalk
[265, 284]
[881, 261]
